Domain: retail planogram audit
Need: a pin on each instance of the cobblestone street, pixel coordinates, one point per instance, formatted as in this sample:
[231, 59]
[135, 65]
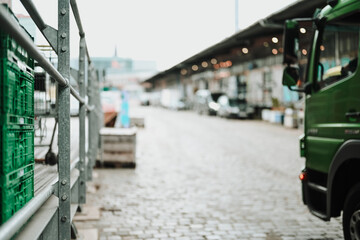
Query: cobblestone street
[201, 177]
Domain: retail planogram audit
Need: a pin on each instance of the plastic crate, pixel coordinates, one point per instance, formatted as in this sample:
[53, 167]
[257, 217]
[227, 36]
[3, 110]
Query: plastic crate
[15, 196]
[17, 90]
[11, 50]
[9, 179]
[17, 97]
[16, 150]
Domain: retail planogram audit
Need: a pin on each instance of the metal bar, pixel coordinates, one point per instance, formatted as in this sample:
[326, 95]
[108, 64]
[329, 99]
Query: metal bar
[33, 12]
[92, 122]
[77, 95]
[98, 113]
[99, 117]
[24, 40]
[88, 55]
[53, 134]
[41, 145]
[79, 24]
[64, 120]
[82, 123]
[77, 17]
[90, 108]
[96, 117]
[74, 163]
[49, 33]
[14, 224]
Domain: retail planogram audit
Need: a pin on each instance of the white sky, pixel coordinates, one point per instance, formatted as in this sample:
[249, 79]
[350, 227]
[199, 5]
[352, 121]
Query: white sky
[166, 31]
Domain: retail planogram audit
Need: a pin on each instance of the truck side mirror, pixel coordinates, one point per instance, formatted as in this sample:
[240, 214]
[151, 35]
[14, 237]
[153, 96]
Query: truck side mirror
[290, 79]
[290, 76]
[291, 42]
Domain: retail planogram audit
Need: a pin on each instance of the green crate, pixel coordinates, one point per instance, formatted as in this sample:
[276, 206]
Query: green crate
[8, 180]
[16, 149]
[17, 90]
[16, 122]
[15, 196]
[17, 96]
[11, 50]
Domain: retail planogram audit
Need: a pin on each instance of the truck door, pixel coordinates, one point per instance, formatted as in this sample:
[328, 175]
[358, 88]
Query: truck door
[332, 110]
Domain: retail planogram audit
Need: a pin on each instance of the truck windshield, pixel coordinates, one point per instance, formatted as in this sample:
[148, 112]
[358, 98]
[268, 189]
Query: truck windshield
[338, 51]
[306, 34]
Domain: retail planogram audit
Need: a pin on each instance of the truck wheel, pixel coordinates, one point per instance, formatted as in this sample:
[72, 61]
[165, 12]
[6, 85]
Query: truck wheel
[351, 214]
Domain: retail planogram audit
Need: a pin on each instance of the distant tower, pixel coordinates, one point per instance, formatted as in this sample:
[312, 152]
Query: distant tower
[8, 2]
[115, 61]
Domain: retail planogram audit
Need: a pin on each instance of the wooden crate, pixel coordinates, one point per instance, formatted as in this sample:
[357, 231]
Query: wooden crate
[118, 146]
[137, 122]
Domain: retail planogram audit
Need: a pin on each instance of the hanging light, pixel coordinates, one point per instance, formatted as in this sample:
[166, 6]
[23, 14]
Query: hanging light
[228, 63]
[303, 30]
[275, 40]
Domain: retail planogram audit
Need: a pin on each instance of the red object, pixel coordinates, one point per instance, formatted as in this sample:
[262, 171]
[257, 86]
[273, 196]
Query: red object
[302, 176]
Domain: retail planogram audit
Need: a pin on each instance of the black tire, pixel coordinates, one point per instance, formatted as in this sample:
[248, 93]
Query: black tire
[351, 214]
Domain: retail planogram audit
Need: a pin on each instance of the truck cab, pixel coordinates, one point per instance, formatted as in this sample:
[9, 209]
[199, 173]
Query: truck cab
[329, 77]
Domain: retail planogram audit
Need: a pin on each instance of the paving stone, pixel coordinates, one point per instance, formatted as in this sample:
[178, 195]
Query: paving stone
[161, 235]
[200, 177]
[114, 238]
[136, 232]
[109, 230]
[175, 235]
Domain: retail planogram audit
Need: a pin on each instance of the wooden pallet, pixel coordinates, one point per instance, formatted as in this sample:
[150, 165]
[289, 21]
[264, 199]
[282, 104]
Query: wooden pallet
[118, 147]
[115, 164]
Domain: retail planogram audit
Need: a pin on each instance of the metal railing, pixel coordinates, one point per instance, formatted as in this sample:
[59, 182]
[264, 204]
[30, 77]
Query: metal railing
[60, 42]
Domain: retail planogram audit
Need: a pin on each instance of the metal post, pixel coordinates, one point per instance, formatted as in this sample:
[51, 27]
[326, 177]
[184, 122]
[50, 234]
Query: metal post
[64, 120]
[82, 118]
[97, 117]
[100, 116]
[91, 123]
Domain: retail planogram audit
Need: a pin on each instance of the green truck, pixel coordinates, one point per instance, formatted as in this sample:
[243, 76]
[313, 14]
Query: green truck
[321, 57]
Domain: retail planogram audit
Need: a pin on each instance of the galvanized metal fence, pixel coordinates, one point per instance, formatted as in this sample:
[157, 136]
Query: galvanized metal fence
[49, 214]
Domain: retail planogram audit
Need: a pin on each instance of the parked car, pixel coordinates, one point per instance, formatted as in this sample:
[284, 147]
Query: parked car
[233, 108]
[206, 102]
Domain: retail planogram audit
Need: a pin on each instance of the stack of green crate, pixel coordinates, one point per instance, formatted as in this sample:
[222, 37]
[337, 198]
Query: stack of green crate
[16, 126]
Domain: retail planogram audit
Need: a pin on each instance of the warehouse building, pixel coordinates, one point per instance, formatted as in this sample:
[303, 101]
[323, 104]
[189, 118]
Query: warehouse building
[246, 66]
